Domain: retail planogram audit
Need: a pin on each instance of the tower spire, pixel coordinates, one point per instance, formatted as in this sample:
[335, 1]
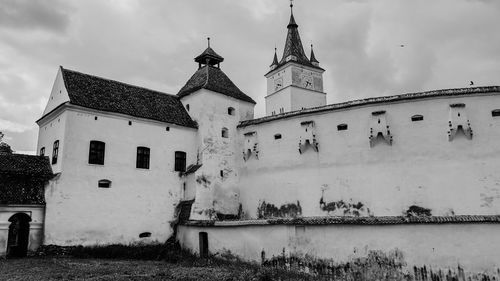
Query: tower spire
[313, 59]
[208, 57]
[275, 59]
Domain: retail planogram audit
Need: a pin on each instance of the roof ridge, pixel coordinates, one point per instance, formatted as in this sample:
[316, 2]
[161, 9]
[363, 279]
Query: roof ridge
[372, 100]
[115, 81]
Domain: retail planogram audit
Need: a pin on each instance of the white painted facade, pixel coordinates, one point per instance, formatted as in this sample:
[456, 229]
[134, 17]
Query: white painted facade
[139, 200]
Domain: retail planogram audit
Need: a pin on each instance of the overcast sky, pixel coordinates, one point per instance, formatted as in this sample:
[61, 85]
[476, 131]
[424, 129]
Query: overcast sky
[152, 44]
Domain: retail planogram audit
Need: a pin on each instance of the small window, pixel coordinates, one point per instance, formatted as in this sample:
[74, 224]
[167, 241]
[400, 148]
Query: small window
[130, 123]
[95, 117]
[187, 107]
[142, 161]
[96, 152]
[104, 183]
[55, 152]
[167, 128]
[230, 111]
[180, 161]
[277, 136]
[145, 235]
[42, 151]
[225, 133]
[495, 113]
[341, 127]
[221, 173]
[417, 117]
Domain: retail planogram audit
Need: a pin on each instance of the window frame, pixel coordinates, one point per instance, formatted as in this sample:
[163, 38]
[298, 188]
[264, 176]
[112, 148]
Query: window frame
[225, 132]
[180, 161]
[143, 157]
[96, 154]
[417, 118]
[342, 127]
[104, 183]
[55, 152]
[42, 151]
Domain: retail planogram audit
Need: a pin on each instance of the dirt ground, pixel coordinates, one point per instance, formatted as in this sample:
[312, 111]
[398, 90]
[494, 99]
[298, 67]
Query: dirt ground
[93, 269]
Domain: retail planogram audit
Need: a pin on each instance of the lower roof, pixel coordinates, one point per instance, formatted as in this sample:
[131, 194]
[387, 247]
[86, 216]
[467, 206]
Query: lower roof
[331, 220]
[375, 100]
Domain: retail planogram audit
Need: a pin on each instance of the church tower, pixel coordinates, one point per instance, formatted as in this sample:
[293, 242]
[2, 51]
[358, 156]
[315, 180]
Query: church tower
[295, 82]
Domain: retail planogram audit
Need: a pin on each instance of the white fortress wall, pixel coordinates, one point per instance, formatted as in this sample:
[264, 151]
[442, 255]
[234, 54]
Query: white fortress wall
[473, 246]
[139, 200]
[422, 167]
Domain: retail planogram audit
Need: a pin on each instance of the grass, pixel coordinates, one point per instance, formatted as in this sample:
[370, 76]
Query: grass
[50, 268]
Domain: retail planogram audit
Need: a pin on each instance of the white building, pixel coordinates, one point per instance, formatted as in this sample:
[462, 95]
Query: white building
[414, 172]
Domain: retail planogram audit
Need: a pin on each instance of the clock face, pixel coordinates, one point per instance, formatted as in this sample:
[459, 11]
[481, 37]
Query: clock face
[306, 81]
[278, 84]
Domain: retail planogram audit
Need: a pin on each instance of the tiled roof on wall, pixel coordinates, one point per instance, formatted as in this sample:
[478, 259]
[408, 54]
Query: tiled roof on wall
[23, 178]
[376, 100]
[213, 79]
[327, 220]
[112, 96]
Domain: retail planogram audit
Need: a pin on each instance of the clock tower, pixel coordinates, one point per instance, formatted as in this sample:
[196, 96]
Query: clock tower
[295, 82]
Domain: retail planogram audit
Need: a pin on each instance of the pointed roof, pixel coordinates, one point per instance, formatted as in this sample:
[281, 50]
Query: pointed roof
[98, 93]
[313, 58]
[209, 56]
[213, 79]
[293, 46]
[275, 59]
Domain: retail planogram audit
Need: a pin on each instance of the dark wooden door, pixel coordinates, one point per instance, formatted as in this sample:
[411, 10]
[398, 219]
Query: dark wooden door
[203, 244]
[18, 239]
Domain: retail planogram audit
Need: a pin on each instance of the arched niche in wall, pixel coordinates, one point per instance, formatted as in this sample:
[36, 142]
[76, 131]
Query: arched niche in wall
[307, 136]
[251, 145]
[379, 128]
[458, 123]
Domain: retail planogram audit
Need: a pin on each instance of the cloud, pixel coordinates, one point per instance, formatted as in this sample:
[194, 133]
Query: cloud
[153, 43]
[34, 14]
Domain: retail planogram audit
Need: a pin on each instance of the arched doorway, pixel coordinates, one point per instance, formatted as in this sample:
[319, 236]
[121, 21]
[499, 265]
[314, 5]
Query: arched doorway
[19, 232]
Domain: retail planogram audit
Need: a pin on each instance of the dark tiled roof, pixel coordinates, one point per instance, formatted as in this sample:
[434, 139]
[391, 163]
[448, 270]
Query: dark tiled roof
[293, 47]
[209, 54]
[28, 165]
[112, 96]
[22, 178]
[214, 79]
[376, 100]
[385, 220]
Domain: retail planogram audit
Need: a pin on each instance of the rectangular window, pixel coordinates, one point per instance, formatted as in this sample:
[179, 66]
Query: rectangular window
[180, 161]
[42, 151]
[142, 161]
[55, 152]
[96, 152]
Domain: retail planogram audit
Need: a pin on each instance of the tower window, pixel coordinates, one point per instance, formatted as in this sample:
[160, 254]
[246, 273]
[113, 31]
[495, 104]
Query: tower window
[277, 136]
[142, 161]
[130, 123]
[42, 151]
[104, 183]
[96, 152]
[225, 132]
[167, 128]
[187, 107]
[341, 127]
[417, 117]
[55, 152]
[180, 161]
[495, 113]
[221, 173]
[230, 110]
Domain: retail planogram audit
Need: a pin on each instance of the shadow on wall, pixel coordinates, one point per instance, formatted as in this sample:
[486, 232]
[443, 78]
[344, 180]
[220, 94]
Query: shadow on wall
[267, 210]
